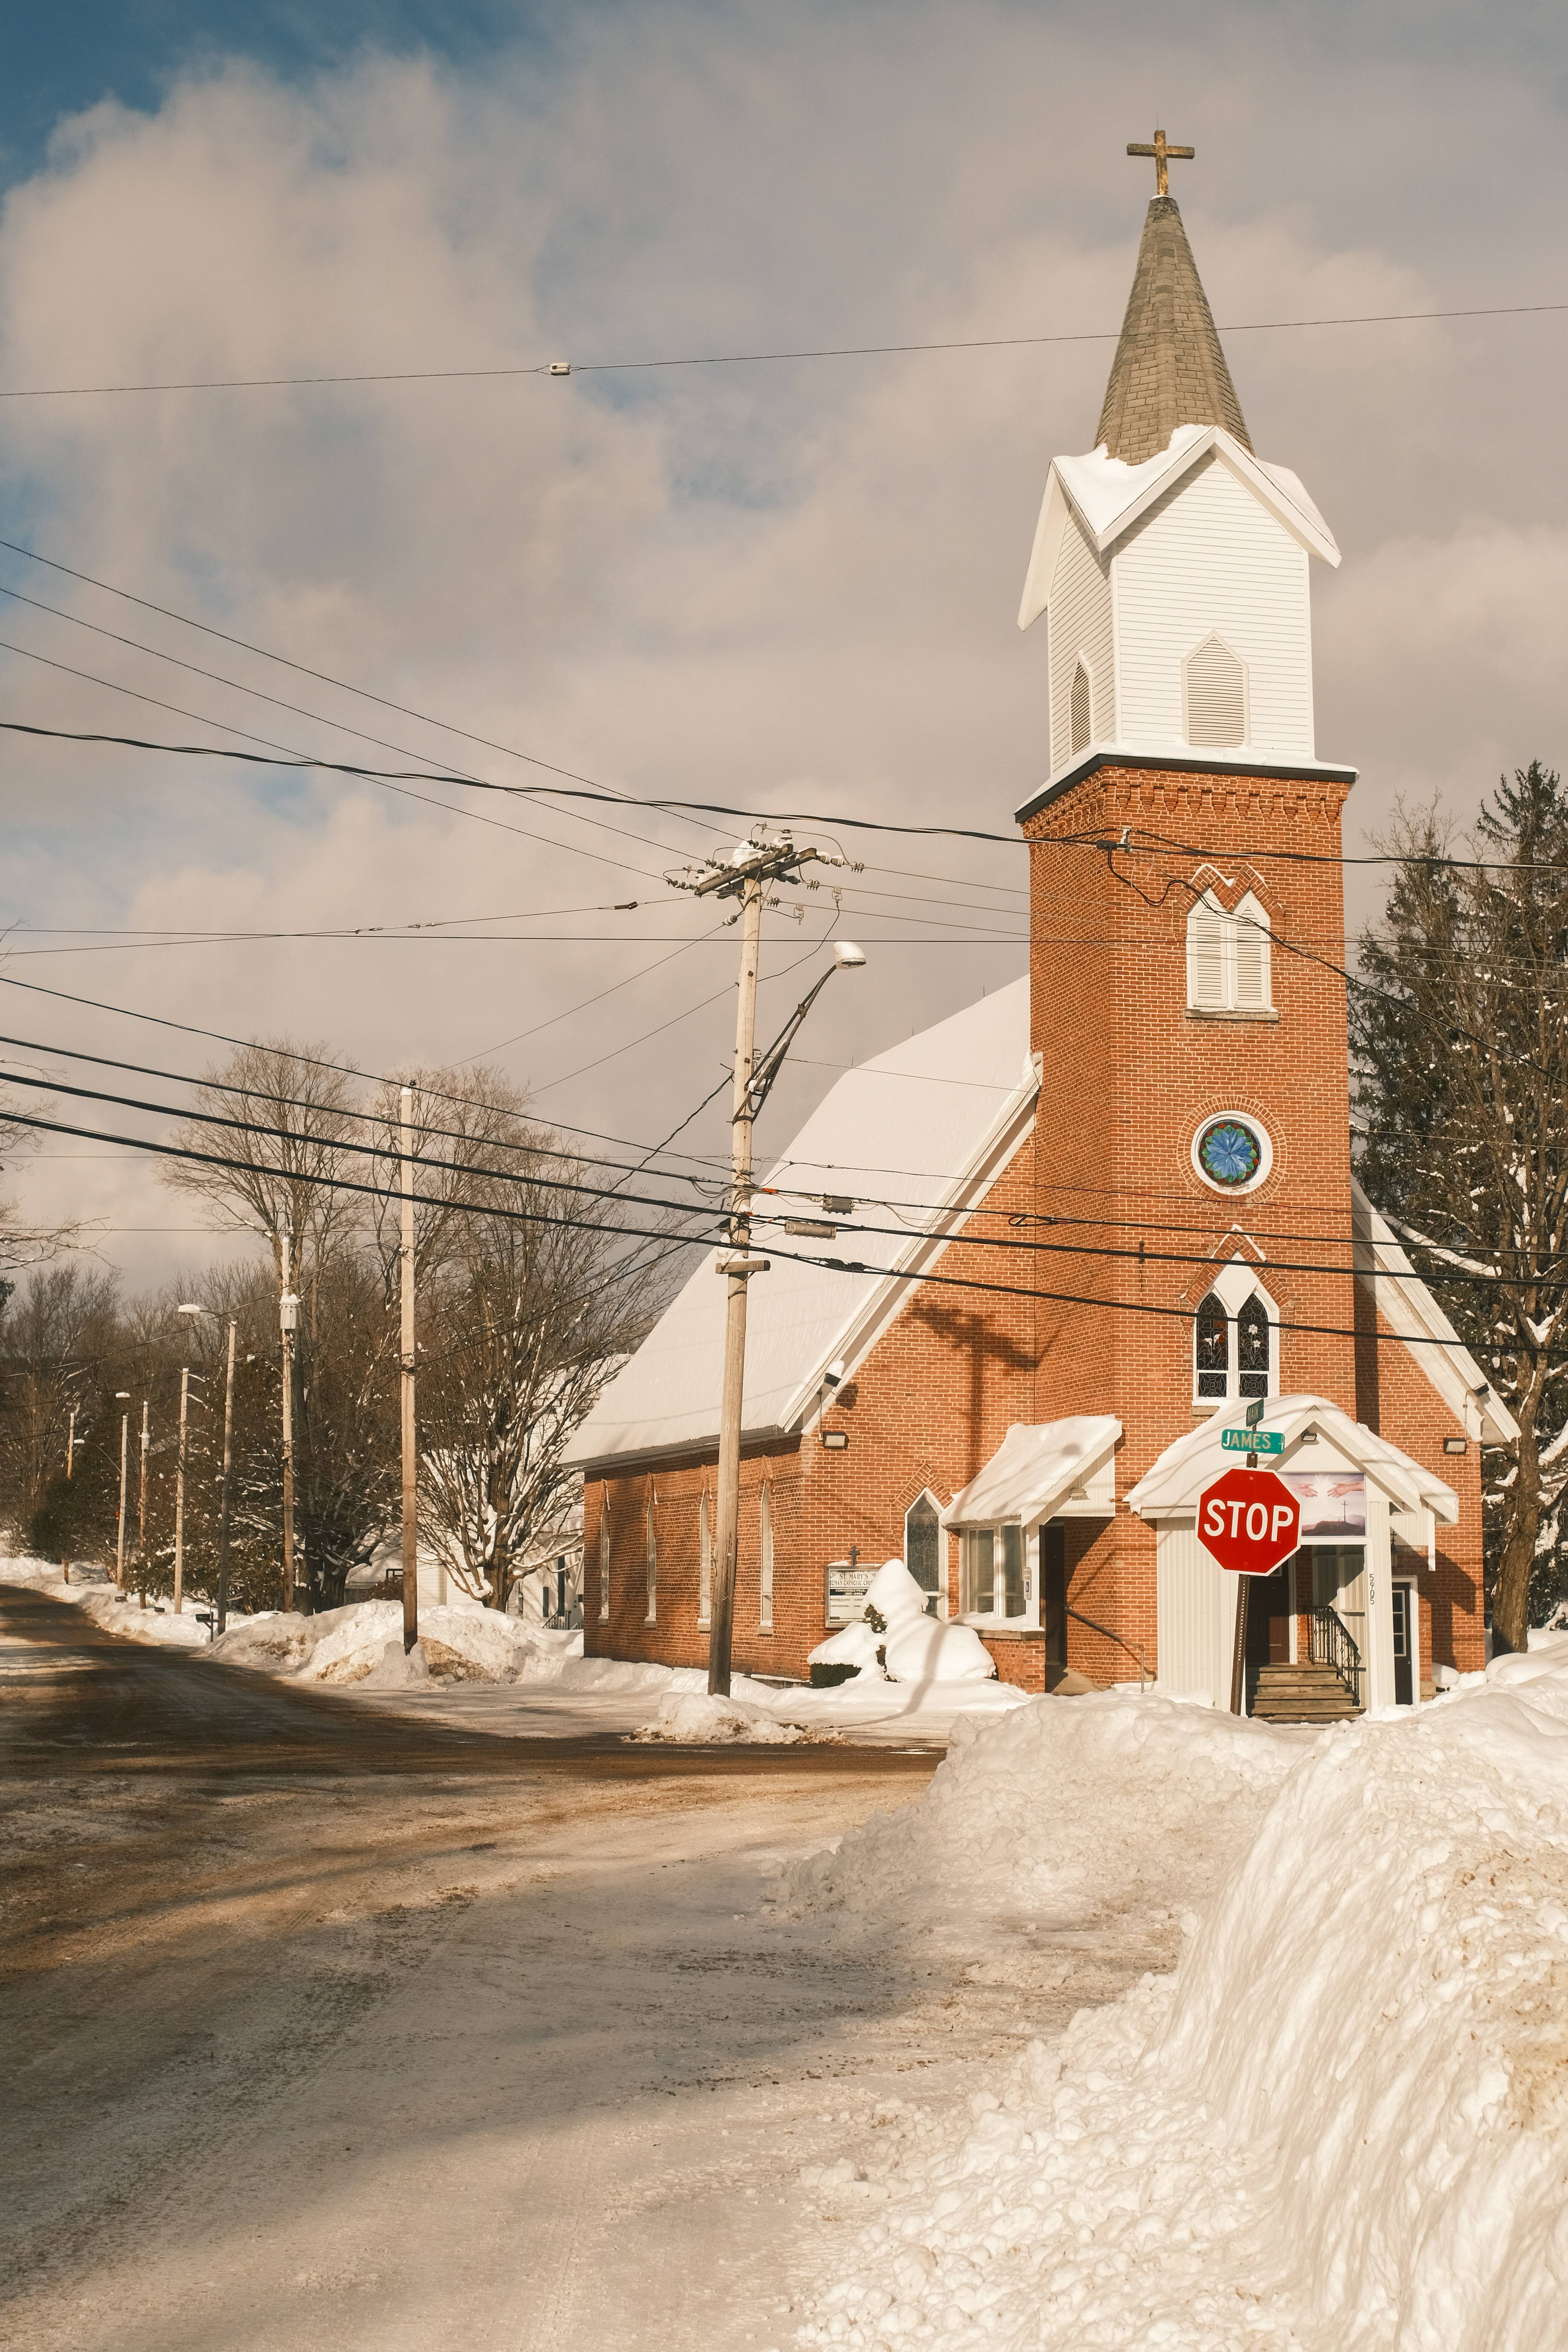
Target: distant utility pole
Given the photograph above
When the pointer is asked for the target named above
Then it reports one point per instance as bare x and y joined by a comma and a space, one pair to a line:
410, 1447
755, 866
288, 1323
223, 1502
180, 1493
121, 1396
141, 1516
70, 1442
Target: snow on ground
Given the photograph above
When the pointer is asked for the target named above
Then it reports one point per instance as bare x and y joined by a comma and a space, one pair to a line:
1342, 2123
696, 1716
897, 1638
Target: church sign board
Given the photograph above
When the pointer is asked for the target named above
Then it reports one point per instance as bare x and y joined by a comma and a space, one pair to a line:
848, 1584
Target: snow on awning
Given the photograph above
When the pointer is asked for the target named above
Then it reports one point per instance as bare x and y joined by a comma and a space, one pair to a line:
1174, 1482
1052, 1469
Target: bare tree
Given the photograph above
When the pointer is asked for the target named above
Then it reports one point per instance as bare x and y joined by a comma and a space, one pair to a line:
524, 1316
56, 1333
294, 1115
1462, 1043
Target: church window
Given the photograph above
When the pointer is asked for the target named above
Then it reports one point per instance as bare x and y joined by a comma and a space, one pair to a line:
1235, 1340
1215, 694
704, 1562
1232, 1152
1212, 1348
1083, 723
765, 1560
923, 1549
994, 1572
652, 1564
605, 1558
1252, 1349
1227, 956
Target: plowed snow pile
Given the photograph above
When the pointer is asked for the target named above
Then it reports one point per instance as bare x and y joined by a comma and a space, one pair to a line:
350, 1645
697, 1717
1063, 1809
1342, 2124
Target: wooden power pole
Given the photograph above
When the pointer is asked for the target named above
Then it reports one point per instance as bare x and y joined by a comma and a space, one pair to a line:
754, 868
288, 1323
180, 1493
120, 1524
141, 1516
410, 1438
223, 1495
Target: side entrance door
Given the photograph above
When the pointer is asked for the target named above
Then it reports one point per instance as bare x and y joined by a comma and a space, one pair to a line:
1405, 1639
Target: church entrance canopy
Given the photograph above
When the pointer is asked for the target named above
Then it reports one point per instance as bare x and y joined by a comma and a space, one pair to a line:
1053, 1469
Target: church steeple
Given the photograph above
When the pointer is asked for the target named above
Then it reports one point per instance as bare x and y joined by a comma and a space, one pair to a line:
1169, 368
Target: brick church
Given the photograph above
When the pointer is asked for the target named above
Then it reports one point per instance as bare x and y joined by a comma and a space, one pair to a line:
1084, 1224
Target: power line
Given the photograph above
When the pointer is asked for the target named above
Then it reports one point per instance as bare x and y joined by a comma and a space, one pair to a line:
826, 1264
750, 359
1105, 837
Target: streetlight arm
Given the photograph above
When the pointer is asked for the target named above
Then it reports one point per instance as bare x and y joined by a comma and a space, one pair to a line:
773, 1061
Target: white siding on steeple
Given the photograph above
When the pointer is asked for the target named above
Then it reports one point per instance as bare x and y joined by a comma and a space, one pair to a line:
1081, 631
1210, 559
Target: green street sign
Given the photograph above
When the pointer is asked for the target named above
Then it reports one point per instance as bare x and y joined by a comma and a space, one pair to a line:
1252, 1441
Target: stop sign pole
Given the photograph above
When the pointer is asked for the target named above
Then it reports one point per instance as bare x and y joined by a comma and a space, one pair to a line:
1249, 1521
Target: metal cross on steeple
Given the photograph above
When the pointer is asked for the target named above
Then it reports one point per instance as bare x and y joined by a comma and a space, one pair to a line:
1161, 154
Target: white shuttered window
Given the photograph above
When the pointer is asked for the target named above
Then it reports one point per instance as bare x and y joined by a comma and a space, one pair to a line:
605, 1557
765, 1560
1215, 696
1228, 965
652, 1565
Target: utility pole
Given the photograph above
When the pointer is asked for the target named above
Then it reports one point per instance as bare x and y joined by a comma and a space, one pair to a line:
755, 866
121, 1396
180, 1493
70, 1442
141, 1516
223, 1503
288, 1322
410, 1450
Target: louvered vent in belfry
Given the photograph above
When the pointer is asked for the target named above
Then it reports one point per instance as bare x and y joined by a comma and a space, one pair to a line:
1082, 733
1216, 696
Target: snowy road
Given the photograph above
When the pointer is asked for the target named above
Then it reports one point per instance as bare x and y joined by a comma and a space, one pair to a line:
325, 2027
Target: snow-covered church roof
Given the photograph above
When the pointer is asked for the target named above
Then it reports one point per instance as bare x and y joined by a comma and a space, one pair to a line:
929, 1125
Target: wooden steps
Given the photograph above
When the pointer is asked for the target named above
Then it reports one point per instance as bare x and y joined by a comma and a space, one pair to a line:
1303, 1694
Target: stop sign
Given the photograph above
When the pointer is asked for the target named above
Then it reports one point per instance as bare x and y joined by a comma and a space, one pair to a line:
1248, 1520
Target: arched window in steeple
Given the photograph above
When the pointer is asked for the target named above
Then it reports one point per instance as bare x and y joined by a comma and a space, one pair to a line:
1215, 683
1236, 1339
1211, 1349
1252, 1349
1082, 720
1228, 963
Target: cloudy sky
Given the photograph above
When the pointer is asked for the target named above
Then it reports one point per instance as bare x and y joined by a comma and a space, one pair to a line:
781, 585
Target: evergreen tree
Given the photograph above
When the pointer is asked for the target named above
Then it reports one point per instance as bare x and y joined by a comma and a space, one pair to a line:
1461, 1067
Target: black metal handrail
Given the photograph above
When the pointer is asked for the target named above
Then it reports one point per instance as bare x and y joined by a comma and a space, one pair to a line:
1082, 1619
1333, 1644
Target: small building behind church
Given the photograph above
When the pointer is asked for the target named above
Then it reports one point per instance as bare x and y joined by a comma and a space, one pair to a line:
1083, 1224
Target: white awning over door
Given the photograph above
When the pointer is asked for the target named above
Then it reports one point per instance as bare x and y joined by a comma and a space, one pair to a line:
1044, 1470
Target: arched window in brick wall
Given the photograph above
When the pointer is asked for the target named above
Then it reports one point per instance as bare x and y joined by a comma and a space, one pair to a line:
1227, 956
704, 1562
1236, 1340
924, 1547
766, 1560
652, 1562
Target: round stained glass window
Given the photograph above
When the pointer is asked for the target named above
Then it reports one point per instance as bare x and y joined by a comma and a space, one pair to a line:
1230, 1153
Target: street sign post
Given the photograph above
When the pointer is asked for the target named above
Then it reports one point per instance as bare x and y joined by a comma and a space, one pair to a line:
1249, 1521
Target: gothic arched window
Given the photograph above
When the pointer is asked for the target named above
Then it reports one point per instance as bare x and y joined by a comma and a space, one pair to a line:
923, 1547
1252, 1349
1227, 956
1211, 1349
1215, 682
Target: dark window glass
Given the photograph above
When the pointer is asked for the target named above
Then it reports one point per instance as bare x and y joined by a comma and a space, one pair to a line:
1211, 1349
1252, 1348
1013, 1571
922, 1550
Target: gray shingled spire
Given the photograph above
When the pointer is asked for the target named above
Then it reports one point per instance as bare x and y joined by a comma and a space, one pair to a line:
1168, 369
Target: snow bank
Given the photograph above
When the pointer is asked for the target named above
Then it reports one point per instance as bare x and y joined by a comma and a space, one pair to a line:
697, 1717
1344, 2123
915, 1648
460, 1642
1062, 1806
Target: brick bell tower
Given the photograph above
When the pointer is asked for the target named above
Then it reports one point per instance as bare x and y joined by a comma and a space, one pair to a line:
1193, 1141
